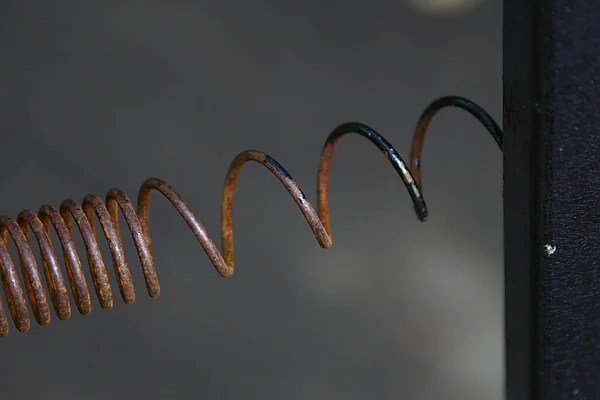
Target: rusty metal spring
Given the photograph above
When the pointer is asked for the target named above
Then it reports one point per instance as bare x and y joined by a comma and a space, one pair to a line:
137, 221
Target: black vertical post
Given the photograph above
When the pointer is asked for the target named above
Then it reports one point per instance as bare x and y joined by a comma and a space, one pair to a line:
552, 198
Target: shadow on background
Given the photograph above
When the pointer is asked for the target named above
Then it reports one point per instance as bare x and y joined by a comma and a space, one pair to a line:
101, 96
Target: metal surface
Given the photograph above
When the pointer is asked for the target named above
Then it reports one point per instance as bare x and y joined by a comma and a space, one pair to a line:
551, 70
138, 224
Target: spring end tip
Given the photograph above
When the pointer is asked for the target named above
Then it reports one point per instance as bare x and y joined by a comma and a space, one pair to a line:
422, 212
227, 273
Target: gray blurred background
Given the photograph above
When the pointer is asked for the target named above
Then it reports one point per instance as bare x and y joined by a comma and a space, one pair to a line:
98, 95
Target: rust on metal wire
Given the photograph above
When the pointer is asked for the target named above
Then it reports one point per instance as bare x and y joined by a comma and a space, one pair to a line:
384, 146
107, 213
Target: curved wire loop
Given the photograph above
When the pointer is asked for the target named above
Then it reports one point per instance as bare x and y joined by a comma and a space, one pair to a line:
448, 101
386, 148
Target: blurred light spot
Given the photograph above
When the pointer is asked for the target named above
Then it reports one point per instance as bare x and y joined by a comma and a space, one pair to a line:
438, 7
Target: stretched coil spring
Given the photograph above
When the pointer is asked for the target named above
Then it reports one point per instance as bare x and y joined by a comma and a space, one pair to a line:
137, 222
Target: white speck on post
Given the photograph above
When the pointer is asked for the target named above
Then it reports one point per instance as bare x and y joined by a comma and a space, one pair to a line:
549, 249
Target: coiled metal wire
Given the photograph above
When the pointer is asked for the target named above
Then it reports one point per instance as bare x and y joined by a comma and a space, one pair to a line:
107, 213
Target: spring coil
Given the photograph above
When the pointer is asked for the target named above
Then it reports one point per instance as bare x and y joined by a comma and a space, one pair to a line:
137, 221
